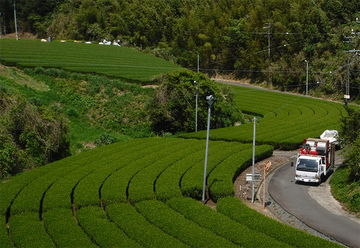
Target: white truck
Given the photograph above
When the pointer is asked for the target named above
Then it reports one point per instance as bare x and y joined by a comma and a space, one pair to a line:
315, 159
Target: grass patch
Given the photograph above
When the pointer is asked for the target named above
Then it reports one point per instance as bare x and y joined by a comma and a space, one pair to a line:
346, 191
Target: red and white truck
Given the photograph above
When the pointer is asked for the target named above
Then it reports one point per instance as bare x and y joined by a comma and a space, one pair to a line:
315, 159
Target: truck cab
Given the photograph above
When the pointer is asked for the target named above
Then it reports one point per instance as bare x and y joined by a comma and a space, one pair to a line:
310, 169
315, 159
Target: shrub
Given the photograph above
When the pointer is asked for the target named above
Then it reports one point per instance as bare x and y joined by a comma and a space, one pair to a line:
142, 184
177, 225
4, 236
30, 135
221, 180
138, 228
221, 224
26, 229
95, 223
64, 230
192, 180
238, 211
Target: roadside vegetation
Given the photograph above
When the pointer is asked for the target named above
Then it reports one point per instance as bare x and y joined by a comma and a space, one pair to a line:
345, 183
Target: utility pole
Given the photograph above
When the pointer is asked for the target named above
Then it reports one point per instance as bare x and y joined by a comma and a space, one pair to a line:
196, 111
269, 41
253, 165
350, 41
307, 77
269, 45
16, 30
198, 62
0, 25
210, 99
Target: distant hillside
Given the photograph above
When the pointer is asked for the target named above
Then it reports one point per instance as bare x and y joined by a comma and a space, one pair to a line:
264, 41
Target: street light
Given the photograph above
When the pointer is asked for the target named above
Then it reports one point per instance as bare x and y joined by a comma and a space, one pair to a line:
196, 111
210, 99
307, 76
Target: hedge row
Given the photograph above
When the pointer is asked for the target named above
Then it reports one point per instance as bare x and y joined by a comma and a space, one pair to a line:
221, 224
238, 211
115, 188
142, 184
221, 180
30, 198
4, 236
180, 227
168, 183
287, 119
138, 228
192, 180
26, 230
87, 190
104, 233
113, 61
64, 230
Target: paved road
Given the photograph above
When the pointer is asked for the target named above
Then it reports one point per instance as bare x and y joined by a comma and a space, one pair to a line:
306, 202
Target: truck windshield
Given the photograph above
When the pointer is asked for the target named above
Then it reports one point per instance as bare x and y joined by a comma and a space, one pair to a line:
307, 165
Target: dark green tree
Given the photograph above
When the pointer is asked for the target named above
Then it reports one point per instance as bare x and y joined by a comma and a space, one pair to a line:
174, 104
349, 135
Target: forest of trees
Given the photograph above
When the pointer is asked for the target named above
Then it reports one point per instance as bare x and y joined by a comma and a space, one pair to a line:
266, 41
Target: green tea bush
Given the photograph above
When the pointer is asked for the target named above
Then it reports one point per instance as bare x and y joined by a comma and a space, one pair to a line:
64, 230
115, 188
88, 188
168, 183
192, 180
119, 62
138, 228
104, 233
4, 236
142, 185
175, 224
26, 229
286, 119
238, 211
60, 193
221, 180
31, 197
222, 225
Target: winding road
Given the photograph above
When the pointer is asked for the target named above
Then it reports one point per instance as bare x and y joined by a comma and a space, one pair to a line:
314, 206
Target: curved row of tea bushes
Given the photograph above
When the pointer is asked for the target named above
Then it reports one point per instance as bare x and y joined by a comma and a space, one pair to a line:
86, 192
138, 228
30, 198
168, 184
102, 231
221, 224
192, 181
175, 224
27, 230
115, 188
221, 180
63, 229
287, 119
238, 211
83, 221
142, 185
4, 236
